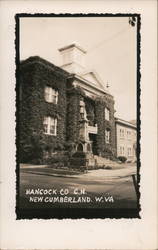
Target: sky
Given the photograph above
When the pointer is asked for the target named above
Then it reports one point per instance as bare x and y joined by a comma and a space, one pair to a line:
110, 43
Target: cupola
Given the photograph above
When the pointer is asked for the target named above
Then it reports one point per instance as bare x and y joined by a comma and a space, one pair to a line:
73, 58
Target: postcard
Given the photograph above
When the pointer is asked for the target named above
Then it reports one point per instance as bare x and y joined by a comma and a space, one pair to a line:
78, 127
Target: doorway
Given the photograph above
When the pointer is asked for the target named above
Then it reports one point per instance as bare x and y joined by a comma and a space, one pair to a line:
80, 147
93, 139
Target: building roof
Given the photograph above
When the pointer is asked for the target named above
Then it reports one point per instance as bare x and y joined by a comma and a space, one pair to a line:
82, 79
125, 123
89, 86
72, 46
37, 59
93, 77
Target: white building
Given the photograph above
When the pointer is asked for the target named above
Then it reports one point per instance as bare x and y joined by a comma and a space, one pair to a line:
126, 139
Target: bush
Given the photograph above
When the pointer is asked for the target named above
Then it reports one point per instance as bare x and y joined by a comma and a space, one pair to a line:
83, 169
108, 167
129, 161
36, 161
122, 158
57, 165
79, 155
58, 160
77, 161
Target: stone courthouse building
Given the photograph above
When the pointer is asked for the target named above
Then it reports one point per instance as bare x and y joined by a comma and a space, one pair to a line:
64, 108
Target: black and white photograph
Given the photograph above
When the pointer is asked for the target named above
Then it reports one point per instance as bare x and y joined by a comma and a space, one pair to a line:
78, 109
77, 116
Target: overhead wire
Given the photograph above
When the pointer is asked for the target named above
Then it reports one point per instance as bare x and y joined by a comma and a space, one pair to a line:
109, 39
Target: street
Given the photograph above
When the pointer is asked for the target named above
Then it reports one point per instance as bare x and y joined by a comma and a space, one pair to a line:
96, 189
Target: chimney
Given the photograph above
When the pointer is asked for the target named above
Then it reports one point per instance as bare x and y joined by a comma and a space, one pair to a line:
73, 58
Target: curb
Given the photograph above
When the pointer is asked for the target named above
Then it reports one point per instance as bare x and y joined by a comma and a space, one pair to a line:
49, 174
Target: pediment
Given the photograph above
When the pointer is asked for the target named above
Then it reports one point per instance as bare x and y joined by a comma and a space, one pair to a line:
93, 78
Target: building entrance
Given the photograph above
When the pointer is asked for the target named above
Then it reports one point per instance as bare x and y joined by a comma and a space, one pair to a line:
80, 148
92, 138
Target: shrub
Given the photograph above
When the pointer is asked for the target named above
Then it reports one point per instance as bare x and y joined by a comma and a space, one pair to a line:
129, 161
122, 158
83, 169
58, 159
77, 161
36, 161
79, 155
108, 167
57, 165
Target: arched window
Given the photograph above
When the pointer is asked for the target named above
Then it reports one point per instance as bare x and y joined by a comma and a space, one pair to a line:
80, 147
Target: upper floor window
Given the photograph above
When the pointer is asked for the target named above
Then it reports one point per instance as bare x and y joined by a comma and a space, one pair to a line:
107, 114
128, 134
122, 133
51, 95
50, 125
107, 136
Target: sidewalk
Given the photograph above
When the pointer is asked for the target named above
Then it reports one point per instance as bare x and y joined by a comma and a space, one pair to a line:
102, 174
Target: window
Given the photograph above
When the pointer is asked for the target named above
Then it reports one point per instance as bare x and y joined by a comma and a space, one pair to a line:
50, 125
122, 152
107, 136
121, 133
129, 135
129, 151
51, 95
107, 114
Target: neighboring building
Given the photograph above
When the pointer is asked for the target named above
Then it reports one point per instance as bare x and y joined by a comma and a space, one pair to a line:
126, 134
64, 107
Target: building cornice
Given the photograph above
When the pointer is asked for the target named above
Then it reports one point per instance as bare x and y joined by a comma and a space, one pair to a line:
73, 45
89, 85
125, 123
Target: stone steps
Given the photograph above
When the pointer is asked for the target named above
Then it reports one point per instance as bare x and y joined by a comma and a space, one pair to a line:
95, 160
104, 161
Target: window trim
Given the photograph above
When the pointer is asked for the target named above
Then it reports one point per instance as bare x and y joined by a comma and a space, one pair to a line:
50, 94
122, 150
122, 133
107, 136
128, 134
47, 121
107, 114
129, 153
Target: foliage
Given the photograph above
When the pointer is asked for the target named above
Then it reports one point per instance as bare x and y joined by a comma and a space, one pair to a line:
73, 116
32, 149
79, 155
105, 149
35, 74
77, 162
122, 158
90, 110
33, 107
62, 160
108, 167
